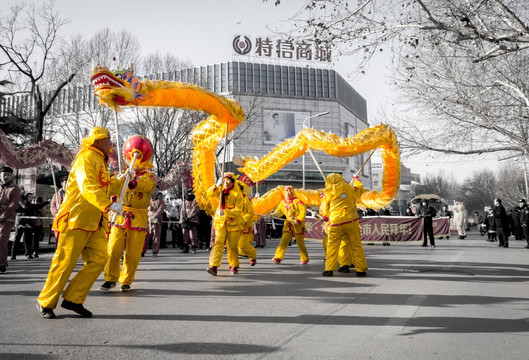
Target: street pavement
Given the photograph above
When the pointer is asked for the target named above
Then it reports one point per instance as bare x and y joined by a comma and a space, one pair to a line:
464, 299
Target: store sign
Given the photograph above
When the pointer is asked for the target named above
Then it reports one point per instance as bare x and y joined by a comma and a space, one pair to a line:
265, 47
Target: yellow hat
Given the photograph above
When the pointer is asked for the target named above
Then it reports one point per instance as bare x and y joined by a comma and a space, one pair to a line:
96, 133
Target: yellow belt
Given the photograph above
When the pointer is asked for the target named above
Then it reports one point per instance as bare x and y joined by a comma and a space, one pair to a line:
135, 210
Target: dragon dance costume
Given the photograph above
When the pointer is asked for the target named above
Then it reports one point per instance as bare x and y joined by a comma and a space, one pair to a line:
246, 239
343, 228
83, 225
129, 231
228, 223
295, 211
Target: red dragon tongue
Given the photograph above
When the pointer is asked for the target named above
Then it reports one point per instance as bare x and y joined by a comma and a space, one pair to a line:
104, 81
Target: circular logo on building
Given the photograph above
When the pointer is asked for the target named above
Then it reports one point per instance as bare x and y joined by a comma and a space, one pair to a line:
343, 196
242, 46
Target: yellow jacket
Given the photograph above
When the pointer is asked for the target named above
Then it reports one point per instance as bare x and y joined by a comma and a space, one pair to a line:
293, 209
136, 201
233, 209
339, 199
248, 213
88, 192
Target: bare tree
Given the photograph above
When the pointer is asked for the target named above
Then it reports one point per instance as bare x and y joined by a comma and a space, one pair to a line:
479, 190
105, 47
29, 42
486, 28
456, 107
439, 184
511, 187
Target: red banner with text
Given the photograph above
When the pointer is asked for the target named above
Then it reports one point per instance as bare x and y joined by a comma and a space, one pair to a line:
386, 228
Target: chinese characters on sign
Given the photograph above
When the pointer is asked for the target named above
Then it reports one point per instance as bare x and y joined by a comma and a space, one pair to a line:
281, 49
397, 228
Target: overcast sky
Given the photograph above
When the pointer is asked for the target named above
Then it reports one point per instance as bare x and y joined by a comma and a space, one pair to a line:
202, 31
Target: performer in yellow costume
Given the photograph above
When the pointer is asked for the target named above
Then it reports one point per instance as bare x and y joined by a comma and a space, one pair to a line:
228, 223
338, 207
246, 239
83, 225
295, 211
128, 233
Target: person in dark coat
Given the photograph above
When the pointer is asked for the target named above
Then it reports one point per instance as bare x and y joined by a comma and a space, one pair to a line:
427, 213
524, 220
502, 223
516, 229
490, 224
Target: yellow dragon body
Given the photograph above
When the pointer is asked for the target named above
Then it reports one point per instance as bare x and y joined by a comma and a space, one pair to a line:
118, 89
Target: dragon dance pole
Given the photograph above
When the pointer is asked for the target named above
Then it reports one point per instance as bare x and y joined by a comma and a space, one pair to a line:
223, 163
316, 163
128, 179
117, 137
361, 167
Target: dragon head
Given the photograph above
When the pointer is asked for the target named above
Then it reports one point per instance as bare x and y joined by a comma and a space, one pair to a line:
119, 87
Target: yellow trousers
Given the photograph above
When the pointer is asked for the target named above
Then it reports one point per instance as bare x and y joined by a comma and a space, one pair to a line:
232, 243
245, 245
283, 244
345, 240
132, 242
92, 247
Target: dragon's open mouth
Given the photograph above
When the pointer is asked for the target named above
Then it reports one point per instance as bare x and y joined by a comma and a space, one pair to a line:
104, 80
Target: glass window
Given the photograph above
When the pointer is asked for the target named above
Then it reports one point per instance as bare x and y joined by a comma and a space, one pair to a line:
242, 77
284, 80
264, 81
223, 82
233, 77
312, 82
277, 75
318, 83
332, 85
292, 80
325, 83
256, 78
249, 77
305, 80
299, 86
271, 75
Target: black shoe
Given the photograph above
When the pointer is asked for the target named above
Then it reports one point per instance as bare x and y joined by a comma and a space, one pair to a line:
184, 252
424, 245
107, 285
36, 256
29, 257
13, 257
125, 288
3, 269
527, 247
344, 269
45, 312
78, 308
327, 273
361, 273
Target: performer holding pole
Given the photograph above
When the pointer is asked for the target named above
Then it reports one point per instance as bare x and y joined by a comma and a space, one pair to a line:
228, 221
129, 229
